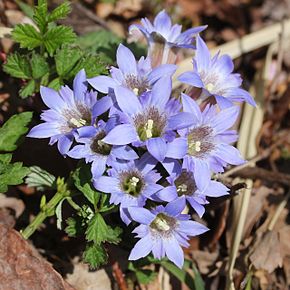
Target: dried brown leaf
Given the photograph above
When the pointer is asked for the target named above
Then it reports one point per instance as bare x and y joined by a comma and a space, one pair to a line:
256, 206
21, 267
205, 260
267, 254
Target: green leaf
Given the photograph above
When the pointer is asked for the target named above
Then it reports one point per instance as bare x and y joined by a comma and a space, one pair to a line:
145, 276
42, 202
66, 58
40, 15
26, 9
55, 84
198, 282
82, 180
28, 89
58, 213
74, 226
5, 158
17, 66
40, 178
92, 64
99, 232
11, 174
27, 36
195, 283
60, 12
95, 255
57, 36
39, 66
13, 130
101, 41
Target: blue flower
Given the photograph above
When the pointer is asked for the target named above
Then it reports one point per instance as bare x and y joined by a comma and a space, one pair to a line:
69, 110
215, 77
130, 183
136, 76
163, 231
164, 38
96, 151
149, 121
205, 145
183, 185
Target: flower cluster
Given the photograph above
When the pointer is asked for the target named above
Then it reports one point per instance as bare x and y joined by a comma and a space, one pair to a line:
152, 152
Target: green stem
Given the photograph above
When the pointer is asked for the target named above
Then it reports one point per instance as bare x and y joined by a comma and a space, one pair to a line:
73, 204
46, 211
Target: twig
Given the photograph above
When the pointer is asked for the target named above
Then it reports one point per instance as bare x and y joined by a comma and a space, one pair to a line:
255, 159
269, 176
245, 165
278, 211
119, 276
91, 15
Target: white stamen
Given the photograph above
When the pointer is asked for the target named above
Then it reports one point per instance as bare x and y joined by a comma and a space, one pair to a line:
209, 87
134, 181
101, 143
162, 224
197, 146
182, 188
136, 91
148, 128
78, 123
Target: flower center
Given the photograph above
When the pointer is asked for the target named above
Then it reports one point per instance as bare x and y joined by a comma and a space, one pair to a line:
100, 147
75, 118
185, 184
182, 188
132, 183
150, 124
163, 225
137, 85
78, 123
209, 87
200, 141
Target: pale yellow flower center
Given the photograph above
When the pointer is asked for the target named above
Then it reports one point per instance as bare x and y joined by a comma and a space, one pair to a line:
78, 123
149, 128
209, 87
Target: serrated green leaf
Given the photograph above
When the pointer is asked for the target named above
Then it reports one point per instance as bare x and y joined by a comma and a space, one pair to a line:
5, 158
17, 66
28, 89
39, 66
13, 130
82, 180
27, 36
99, 232
60, 12
66, 58
55, 84
40, 178
57, 36
92, 65
75, 226
40, 15
95, 256
11, 174
101, 41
